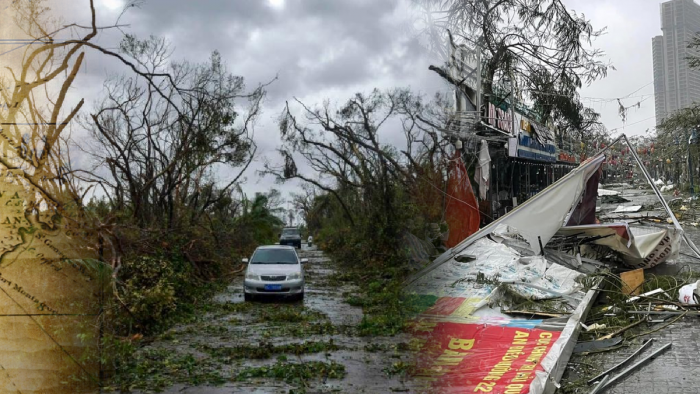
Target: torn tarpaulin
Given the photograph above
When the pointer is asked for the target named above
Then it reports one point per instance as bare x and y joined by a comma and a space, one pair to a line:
638, 246
584, 213
540, 217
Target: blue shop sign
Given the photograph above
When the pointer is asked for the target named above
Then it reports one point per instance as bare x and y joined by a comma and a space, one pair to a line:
530, 148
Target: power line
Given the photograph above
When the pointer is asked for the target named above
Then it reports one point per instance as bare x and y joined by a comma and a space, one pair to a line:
628, 96
601, 99
598, 99
632, 124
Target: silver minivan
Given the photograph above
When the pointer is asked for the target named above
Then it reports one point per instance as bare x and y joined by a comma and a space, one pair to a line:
274, 270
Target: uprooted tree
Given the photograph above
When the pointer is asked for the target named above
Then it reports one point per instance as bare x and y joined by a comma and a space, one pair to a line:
536, 49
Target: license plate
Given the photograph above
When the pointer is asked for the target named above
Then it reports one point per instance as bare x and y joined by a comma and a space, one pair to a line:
273, 287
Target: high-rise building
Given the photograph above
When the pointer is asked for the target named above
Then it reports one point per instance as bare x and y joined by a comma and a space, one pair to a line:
676, 85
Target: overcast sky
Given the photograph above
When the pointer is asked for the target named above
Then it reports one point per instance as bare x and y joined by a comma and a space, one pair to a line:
329, 49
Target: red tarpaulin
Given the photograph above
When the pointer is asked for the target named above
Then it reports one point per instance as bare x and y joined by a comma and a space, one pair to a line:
461, 212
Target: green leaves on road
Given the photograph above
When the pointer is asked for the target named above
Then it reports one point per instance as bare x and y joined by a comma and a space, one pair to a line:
295, 373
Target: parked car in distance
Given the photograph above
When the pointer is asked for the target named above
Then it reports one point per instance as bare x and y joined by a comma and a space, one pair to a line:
274, 270
291, 236
310, 241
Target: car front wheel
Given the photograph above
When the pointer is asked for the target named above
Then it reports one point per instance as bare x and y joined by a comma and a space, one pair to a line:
247, 297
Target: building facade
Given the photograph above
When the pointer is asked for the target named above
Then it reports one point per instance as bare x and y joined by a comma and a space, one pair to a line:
525, 154
676, 85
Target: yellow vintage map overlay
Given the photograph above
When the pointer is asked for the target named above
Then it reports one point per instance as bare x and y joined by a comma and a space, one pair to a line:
51, 279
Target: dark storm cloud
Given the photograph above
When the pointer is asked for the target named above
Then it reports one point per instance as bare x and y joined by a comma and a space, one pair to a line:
309, 45
362, 20
318, 49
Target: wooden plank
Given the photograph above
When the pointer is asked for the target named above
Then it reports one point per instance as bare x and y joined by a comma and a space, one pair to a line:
632, 281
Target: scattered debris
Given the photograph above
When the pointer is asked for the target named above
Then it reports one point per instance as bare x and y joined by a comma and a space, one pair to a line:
594, 327
648, 294
624, 362
598, 345
667, 188
689, 293
613, 199
664, 313
604, 192
623, 329
633, 367
627, 209
612, 309
548, 260
632, 281
599, 388
667, 307
464, 258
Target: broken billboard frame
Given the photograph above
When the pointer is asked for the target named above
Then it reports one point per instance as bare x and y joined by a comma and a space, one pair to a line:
469, 335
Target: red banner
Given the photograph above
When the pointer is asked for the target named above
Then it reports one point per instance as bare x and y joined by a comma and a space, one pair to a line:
461, 212
478, 358
585, 210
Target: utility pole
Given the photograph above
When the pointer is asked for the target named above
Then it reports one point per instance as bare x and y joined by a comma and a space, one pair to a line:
692, 140
478, 79
512, 104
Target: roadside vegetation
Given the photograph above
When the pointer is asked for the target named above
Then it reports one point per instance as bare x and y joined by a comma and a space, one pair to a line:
173, 230
167, 230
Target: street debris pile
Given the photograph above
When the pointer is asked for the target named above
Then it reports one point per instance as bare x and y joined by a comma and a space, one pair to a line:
519, 294
630, 308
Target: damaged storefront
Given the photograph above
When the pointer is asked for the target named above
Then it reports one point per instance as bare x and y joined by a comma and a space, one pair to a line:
521, 157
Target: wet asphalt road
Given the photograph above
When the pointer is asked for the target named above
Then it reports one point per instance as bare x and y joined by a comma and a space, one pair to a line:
369, 362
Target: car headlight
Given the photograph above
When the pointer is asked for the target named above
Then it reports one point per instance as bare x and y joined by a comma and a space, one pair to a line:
252, 276
295, 275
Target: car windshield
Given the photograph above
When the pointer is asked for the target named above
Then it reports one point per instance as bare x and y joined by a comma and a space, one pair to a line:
290, 231
274, 256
